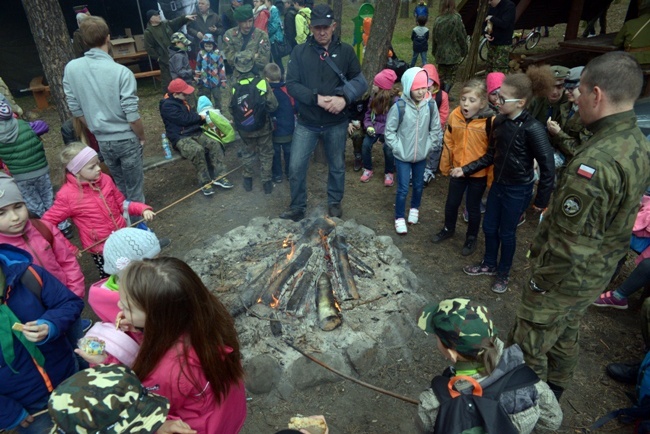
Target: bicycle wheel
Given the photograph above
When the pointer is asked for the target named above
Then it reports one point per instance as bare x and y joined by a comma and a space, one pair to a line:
483, 50
533, 39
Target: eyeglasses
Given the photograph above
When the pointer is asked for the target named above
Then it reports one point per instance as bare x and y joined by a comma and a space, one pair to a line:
502, 100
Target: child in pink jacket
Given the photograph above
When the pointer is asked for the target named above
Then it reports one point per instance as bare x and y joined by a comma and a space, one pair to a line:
442, 102
93, 202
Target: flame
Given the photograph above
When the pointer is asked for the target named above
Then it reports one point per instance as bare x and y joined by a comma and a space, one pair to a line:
275, 302
288, 242
293, 250
259, 300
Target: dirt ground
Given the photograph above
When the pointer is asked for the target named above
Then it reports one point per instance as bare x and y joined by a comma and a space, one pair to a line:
606, 335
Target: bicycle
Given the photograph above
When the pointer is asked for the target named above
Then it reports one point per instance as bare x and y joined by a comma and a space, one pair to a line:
530, 41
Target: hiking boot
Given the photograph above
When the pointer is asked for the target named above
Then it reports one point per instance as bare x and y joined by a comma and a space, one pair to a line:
428, 176
268, 187
500, 285
623, 372
67, 232
358, 162
522, 219
207, 190
223, 183
480, 270
557, 390
367, 174
469, 247
248, 184
164, 242
293, 214
414, 216
400, 226
442, 235
608, 299
334, 210
389, 180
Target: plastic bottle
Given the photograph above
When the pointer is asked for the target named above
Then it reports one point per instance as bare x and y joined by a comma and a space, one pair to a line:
166, 147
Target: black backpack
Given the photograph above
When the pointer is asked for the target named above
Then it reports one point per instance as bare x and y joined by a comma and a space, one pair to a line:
479, 412
248, 105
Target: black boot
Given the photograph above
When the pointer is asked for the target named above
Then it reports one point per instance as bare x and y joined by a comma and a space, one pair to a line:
557, 390
248, 184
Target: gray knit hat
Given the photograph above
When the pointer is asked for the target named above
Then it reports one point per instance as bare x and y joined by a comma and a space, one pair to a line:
126, 245
9, 193
5, 111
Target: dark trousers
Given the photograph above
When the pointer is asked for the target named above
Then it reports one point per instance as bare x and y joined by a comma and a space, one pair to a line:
475, 188
280, 149
366, 153
636, 280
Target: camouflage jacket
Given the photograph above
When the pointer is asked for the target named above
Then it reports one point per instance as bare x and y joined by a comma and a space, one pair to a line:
449, 39
637, 45
541, 109
258, 44
586, 229
573, 134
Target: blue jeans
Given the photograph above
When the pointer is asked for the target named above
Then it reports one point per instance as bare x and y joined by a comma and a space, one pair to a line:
423, 55
366, 153
404, 171
303, 145
124, 159
39, 197
504, 207
42, 423
280, 149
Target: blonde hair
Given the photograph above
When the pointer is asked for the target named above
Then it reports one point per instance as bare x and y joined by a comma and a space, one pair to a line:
477, 86
70, 151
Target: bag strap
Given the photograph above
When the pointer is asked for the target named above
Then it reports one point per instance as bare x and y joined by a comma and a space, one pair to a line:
639, 31
125, 212
43, 230
326, 57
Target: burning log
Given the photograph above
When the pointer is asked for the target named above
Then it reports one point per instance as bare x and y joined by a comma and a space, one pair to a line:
328, 312
343, 266
271, 294
300, 292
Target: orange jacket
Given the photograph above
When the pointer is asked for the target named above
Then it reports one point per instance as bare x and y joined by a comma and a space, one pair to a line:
465, 141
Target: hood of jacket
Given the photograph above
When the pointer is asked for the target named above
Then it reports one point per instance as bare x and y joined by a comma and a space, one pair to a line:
9, 131
14, 262
432, 72
208, 39
407, 83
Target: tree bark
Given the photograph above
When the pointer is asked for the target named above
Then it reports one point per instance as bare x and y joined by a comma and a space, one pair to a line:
380, 38
404, 9
472, 56
53, 44
337, 8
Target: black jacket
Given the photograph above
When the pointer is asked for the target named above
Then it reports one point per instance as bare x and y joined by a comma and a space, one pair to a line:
290, 26
503, 22
180, 121
308, 76
513, 146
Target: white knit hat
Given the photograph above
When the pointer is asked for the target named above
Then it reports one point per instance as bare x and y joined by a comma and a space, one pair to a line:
126, 245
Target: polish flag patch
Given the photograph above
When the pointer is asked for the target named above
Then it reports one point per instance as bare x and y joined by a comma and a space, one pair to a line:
586, 171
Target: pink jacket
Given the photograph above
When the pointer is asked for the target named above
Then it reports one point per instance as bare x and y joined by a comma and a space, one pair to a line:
443, 110
642, 226
95, 208
103, 301
57, 258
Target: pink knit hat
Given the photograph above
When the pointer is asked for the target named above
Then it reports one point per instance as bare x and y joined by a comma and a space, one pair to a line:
494, 81
385, 79
420, 80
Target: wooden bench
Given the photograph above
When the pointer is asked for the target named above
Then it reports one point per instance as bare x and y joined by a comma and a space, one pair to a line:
40, 91
155, 73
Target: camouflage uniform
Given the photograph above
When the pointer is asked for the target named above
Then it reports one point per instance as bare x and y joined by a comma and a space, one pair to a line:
187, 147
573, 134
258, 44
109, 399
448, 45
626, 39
498, 57
584, 233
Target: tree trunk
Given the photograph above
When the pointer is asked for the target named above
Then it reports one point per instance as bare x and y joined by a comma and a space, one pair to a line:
472, 56
404, 9
337, 8
381, 34
53, 44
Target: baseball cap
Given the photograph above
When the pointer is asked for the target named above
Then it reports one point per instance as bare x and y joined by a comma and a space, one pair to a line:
177, 85
151, 13
322, 15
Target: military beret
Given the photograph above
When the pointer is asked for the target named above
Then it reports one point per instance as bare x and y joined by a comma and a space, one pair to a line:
243, 13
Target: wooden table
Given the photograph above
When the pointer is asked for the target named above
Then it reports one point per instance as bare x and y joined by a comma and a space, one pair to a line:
597, 44
130, 58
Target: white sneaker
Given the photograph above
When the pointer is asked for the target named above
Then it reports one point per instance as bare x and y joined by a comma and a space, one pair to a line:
414, 215
400, 226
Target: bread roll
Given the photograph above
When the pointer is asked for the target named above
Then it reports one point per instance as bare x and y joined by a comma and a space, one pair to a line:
314, 426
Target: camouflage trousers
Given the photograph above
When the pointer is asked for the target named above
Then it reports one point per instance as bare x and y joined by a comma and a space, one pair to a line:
498, 57
257, 145
447, 74
547, 328
357, 137
205, 154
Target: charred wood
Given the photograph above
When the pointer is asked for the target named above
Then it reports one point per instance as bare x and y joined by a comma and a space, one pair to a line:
343, 266
328, 314
272, 292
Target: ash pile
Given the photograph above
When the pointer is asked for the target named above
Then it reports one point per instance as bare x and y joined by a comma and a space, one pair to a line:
334, 289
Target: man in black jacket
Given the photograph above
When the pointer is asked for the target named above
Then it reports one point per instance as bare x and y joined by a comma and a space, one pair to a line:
290, 22
500, 26
323, 90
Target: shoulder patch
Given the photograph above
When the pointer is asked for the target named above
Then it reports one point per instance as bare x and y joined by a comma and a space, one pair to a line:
572, 205
586, 171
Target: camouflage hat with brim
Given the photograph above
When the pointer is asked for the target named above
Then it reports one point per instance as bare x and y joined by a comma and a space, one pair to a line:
180, 37
106, 399
244, 61
559, 72
460, 323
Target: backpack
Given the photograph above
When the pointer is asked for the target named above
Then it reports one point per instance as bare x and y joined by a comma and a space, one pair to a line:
420, 44
308, 18
639, 413
480, 411
248, 105
401, 107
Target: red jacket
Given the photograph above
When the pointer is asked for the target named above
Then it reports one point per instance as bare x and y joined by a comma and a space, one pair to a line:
95, 208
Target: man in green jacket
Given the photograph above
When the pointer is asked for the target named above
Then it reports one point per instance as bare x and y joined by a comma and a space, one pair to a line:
634, 36
157, 39
586, 230
246, 37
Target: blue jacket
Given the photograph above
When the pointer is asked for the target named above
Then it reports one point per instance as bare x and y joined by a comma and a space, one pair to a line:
180, 121
26, 392
284, 117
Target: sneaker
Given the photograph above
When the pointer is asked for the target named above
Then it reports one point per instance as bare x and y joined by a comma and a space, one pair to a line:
469, 247
223, 183
400, 226
248, 184
293, 214
367, 174
268, 187
414, 216
483, 206
500, 285
389, 180
277, 179
67, 232
442, 235
480, 270
608, 300
522, 219
428, 176
465, 216
164, 242
207, 190
358, 163
86, 324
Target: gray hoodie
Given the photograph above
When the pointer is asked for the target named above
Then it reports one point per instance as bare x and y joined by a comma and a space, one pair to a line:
419, 132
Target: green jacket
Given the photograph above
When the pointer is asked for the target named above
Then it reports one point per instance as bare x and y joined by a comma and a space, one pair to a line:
269, 98
449, 39
626, 39
157, 39
573, 134
303, 20
539, 109
586, 229
258, 44
25, 154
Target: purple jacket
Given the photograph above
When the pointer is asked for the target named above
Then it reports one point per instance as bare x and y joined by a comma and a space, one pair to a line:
378, 122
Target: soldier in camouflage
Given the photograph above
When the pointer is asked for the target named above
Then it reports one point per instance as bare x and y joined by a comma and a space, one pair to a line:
586, 229
246, 37
448, 42
500, 24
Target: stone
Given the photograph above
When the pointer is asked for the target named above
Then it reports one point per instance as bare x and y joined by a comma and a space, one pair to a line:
397, 331
306, 374
365, 230
363, 355
263, 372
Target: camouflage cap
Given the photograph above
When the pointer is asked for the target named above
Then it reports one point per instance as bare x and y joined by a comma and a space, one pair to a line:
180, 37
559, 72
107, 399
244, 61
460, 323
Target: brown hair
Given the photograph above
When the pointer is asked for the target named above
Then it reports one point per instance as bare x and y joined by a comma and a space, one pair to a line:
477, 86
94, 31
179, 307
421, 20
488, 356
447, 7
542, 80
397, 90
617, 73
272, 72
381, 101
522, 85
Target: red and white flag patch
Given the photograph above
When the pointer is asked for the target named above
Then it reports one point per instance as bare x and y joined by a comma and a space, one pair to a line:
586, 171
